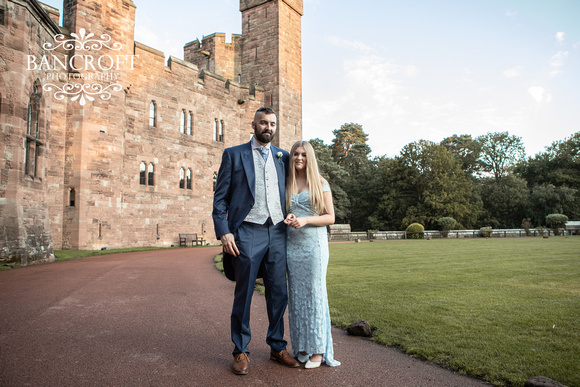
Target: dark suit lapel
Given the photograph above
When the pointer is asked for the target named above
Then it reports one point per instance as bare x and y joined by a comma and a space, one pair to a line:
280, 168
248, 163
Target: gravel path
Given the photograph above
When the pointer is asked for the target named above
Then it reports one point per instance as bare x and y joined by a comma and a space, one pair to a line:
161, 318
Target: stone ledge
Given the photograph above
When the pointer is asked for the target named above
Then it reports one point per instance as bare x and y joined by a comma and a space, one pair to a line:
149, 49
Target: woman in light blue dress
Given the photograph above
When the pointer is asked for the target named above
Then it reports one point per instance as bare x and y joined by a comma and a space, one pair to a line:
310, 210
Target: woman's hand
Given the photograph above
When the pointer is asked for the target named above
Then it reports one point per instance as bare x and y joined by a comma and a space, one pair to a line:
289, 219
292, 221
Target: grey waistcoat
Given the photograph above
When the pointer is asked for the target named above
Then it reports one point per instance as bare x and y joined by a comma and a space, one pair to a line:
267, 203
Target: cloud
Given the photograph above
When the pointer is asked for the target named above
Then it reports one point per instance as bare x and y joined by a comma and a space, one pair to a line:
510, 13
558, 59
513, 72
350, 44
377, 78
410, 70
373, 92
539, 94
560, 36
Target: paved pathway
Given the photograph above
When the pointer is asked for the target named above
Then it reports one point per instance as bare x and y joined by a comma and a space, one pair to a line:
161, 318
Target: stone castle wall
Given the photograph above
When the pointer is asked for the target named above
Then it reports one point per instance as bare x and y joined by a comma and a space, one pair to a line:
88, 193
272, 58
27, 134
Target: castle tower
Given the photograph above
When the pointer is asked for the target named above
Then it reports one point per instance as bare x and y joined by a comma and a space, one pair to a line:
271, 58
95, 131
215, 55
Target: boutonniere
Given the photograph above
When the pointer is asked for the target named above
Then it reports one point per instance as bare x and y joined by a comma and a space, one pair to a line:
279, 155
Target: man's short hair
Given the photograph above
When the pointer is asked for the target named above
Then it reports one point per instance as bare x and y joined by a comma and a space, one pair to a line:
265, 110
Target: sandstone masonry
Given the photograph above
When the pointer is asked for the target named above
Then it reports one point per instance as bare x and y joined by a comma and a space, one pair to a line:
137, 168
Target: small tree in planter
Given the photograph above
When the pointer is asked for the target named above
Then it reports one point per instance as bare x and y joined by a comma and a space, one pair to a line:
415, 231
556, 222
526, 225
446, 223
485, 232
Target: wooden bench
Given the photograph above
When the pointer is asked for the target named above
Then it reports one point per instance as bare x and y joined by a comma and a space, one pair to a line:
184, 239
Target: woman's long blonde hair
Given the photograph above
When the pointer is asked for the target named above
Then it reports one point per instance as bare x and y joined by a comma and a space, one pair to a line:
312, 177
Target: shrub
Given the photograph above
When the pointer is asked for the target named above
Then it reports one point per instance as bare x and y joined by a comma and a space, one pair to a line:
526, 225
446, 223
415, 231
485, 232
556, 222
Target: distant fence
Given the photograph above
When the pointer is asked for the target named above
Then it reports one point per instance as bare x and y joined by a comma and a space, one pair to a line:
346, 235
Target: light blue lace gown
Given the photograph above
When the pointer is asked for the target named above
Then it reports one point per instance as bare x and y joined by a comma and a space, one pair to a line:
308, 315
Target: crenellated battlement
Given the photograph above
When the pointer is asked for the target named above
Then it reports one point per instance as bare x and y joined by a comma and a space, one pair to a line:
214, 54
192, 72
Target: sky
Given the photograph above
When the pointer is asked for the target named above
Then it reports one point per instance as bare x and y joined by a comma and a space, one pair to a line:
415, 69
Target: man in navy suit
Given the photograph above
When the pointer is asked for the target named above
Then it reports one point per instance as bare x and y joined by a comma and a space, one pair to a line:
248, 213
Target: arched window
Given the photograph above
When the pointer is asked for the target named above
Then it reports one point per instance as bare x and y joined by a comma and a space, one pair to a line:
152, 114
189, 120
182, 178
71, 197
188, 178
221, 132
182, 122
33, 142
215, 124
150, 180
214, 181
142, 173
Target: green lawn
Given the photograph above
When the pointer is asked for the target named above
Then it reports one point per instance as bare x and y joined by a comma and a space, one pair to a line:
505, 310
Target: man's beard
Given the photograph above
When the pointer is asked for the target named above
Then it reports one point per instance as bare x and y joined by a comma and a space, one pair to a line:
263, 139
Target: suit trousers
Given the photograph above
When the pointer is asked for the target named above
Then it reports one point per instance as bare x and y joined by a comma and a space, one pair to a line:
260, 245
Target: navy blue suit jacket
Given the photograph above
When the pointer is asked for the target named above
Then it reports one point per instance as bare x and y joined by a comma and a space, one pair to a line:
235, 189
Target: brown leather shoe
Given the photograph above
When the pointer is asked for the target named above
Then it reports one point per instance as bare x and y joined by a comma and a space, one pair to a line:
284, 358
241, 364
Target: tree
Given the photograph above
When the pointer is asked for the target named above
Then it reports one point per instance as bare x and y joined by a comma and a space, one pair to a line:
395, 196
345, 138
548, 199
432, 184
336, 176
556, 222
357, 162
446, 223
559, 166
500, 153
364, 186
351, 152
466, 150
505, 202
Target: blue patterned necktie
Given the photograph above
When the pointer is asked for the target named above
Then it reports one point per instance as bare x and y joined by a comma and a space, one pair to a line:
264, 152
